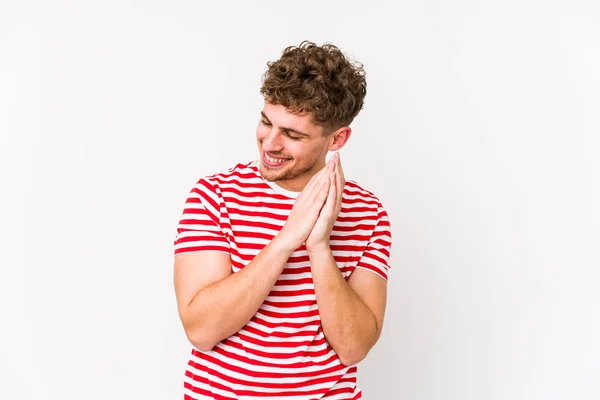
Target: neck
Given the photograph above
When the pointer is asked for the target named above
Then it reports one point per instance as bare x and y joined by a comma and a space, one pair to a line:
298, 183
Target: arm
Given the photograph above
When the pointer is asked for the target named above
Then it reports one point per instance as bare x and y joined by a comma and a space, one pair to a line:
213, 302
352, 312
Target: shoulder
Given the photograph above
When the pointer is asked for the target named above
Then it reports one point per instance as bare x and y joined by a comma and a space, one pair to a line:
239, 169
362, 202
353, 190
239, 175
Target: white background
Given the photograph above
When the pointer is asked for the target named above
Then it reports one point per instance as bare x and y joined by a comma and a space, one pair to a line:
479, 134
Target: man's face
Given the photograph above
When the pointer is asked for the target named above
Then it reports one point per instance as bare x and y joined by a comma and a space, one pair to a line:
292, 148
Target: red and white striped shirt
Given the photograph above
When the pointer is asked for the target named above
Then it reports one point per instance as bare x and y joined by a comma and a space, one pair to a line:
281, 353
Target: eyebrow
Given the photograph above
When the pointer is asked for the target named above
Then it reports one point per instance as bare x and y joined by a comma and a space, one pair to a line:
287, 129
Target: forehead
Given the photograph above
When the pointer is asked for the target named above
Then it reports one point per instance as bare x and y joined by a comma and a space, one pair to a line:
278, 115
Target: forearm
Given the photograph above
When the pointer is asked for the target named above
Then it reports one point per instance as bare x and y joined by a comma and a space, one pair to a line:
348, 324
222, 308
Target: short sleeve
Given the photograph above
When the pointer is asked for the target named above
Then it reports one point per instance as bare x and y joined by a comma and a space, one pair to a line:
200, 226
377, 254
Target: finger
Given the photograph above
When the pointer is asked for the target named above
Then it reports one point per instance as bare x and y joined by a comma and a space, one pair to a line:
319, 174
313, 184
314, 188
339, 186
339, 167
321, 195
331, 165
315, 176
330, 203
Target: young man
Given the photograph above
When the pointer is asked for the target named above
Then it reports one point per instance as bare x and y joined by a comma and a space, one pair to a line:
280, 264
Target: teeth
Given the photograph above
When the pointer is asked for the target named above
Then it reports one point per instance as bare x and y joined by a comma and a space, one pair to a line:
275, 160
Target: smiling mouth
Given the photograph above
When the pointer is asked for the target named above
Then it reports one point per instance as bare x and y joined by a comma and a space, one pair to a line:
274, 161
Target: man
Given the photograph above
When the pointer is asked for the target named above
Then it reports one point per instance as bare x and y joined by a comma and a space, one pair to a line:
280, 264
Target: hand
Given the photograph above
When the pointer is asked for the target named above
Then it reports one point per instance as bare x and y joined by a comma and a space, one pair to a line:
306, 209
319, 236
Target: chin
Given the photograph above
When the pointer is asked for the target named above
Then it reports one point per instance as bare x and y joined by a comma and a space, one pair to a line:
271, 175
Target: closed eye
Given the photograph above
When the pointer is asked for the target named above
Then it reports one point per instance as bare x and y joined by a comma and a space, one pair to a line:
293, 137
287, 133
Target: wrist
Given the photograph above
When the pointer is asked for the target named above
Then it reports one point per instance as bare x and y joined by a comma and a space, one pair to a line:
318, 248
284, 243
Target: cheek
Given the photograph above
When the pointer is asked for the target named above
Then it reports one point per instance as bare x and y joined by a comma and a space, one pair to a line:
261, 133
300, 151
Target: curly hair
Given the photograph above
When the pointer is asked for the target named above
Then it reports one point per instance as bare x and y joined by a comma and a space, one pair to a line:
319, 80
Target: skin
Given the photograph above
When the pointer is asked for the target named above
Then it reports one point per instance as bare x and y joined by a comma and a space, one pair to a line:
284, 135
214, 303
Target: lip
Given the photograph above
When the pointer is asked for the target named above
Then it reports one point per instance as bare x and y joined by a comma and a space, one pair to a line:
270, 164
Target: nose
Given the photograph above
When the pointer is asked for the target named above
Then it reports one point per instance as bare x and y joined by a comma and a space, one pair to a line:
273, 141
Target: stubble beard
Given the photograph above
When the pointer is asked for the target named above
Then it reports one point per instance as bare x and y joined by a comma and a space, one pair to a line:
288, 174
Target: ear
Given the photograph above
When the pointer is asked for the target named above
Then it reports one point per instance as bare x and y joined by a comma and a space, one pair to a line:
339, 138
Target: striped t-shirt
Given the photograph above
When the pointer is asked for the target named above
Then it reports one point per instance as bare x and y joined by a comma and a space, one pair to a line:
281, 353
